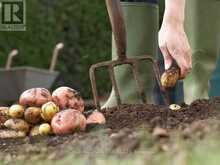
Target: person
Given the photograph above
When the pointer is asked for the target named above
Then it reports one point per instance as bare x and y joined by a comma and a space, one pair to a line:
200, 18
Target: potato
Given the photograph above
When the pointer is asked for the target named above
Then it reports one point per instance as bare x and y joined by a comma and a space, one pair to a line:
96, 118
17, 124
8, 133
66, 98
170, 77
3, 115
82, 122
16, 111
34, 131
67, 121
35, 97
48, 111
45, 129
32, 115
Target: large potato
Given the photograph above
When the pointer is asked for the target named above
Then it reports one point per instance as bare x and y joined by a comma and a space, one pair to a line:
8, 133
66, 98
96, 118
67, 121
16, 111
32, 115
35, 97
17, 124
48, 111
3, 115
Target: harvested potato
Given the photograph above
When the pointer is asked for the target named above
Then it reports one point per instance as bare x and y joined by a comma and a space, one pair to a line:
8, 133
66, 122
3, 115
32, 115
66, 98
45, 129
48, 111
34, 131
82, 122
96, 118
35, 97
16, 111
170, 77
17, 124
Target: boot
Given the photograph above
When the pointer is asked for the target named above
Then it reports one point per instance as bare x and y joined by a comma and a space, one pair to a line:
203, 30
141, 21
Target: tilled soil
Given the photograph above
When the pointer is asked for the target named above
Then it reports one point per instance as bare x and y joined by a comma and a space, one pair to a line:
122, 122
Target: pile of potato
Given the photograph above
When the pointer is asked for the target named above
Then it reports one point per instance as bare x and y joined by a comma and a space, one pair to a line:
41, 113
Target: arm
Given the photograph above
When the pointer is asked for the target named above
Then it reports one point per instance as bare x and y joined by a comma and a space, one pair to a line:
173, 41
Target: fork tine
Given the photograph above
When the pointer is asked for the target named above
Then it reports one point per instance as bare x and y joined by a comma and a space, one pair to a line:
138, 82
114, 84
94, 86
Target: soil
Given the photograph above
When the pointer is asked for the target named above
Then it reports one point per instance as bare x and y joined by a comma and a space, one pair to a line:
121, 123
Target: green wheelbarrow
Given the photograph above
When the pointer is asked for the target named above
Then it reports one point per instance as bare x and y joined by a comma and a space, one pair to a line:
13, 81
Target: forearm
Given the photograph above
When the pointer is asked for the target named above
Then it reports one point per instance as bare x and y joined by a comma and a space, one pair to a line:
174, 11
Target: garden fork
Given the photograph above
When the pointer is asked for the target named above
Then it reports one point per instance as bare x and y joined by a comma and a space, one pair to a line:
119, 32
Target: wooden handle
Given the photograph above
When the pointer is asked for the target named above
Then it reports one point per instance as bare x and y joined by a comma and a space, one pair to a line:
11, 55
118, 26
56, 50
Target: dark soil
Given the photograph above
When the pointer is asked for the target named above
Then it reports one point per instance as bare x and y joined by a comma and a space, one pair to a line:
122, 120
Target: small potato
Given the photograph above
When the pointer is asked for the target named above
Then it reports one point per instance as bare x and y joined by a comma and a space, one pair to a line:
8, 133
82, 122
96, 118
17, 124
32, 115
45, 129
48, 111
66, 98
170, 77
34, 131
16, 111
35, 97
3, 115
66, 122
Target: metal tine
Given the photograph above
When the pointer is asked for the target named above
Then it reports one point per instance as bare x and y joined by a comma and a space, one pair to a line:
139, 82
114, 84
94, 87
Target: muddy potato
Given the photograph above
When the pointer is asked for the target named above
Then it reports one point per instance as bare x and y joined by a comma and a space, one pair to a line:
45, 129
48, 111
66, 98
8, 133
16, 111
32, 115
82, 122
3, 115
96, 118
170, 77
17, 124
66, 122
35, 97
34, 131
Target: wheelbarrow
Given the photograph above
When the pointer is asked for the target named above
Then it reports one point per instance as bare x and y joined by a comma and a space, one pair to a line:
13, 81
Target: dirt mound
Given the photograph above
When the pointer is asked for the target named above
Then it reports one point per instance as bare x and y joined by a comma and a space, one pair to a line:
130, 116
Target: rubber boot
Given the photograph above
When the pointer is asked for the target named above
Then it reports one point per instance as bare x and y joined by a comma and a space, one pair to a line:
215, 81
203, 30
141, 21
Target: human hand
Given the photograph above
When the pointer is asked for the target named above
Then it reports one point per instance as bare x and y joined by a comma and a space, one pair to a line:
174, 45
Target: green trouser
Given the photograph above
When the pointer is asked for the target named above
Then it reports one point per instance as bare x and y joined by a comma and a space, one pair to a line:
203, 30
141, 21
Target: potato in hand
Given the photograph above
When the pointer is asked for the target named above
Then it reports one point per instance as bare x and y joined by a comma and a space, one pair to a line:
170, 77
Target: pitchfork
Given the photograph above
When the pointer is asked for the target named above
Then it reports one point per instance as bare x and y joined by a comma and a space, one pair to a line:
118, 27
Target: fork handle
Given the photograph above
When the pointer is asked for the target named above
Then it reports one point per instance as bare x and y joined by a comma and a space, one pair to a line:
118, 26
